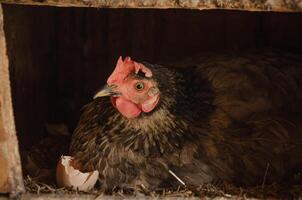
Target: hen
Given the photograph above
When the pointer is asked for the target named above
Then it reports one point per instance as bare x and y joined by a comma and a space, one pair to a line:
234, 117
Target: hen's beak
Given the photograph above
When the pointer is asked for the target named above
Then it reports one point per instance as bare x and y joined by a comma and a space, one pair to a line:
107, 90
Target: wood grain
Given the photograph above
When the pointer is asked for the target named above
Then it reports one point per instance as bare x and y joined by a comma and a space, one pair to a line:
250, 5
10, 166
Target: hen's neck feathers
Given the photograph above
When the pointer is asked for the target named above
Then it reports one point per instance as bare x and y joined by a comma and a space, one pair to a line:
160, 131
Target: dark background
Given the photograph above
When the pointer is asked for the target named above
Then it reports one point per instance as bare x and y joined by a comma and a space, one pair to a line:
60, 56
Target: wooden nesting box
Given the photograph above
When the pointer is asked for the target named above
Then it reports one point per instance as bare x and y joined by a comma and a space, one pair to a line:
53, 59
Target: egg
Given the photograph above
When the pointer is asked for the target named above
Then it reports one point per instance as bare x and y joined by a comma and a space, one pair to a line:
69, 175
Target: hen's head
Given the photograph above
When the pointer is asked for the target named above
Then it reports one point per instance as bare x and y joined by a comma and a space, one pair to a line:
131, 88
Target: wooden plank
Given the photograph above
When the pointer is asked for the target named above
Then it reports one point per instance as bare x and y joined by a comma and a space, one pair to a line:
250, 5
10, 167
3, 157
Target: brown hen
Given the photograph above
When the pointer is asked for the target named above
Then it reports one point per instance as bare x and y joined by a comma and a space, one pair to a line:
231, 117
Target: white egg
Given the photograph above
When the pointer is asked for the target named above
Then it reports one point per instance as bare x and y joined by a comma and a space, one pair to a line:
68, 176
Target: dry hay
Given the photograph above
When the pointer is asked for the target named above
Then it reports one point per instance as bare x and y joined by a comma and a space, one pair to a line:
224, 190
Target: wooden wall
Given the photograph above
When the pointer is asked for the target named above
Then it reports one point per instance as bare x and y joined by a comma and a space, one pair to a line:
247, 5
30, 41
60, 56
10, 167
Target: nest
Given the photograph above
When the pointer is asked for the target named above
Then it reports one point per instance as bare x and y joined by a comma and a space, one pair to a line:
40, 178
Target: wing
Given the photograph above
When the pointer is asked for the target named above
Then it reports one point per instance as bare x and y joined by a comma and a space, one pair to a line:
253, 82
256, 118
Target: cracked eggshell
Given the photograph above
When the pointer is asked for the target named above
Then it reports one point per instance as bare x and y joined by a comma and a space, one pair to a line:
68, 175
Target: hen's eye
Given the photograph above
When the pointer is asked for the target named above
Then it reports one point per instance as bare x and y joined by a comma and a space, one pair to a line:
139, 86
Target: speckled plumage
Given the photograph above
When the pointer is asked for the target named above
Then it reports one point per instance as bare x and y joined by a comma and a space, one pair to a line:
229, 117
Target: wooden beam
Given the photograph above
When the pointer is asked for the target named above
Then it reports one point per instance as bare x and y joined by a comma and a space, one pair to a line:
10, 167
248, 5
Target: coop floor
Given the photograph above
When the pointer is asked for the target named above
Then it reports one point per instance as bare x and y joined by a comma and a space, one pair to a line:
38, 190
266, 193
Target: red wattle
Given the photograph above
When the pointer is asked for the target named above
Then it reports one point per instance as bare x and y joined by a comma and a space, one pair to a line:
125, 107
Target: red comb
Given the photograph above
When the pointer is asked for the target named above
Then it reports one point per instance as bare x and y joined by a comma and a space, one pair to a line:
124, 68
